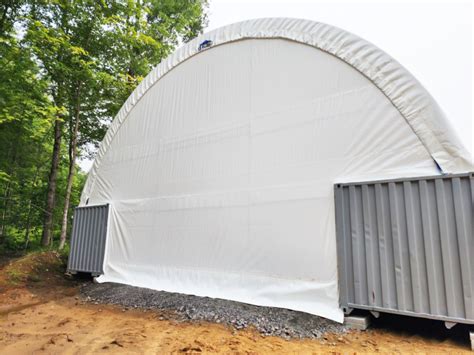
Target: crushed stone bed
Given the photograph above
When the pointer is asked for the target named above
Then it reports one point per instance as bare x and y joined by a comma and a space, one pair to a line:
267, 320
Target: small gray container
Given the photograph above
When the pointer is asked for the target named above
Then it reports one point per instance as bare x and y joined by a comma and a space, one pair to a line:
89, 233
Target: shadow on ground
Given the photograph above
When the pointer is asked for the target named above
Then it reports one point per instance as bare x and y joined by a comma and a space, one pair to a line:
426, 328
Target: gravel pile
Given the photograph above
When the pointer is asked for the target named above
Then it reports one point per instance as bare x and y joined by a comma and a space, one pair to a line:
267, 320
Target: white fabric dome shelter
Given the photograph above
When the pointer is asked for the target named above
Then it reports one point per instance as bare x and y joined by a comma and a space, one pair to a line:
219, 168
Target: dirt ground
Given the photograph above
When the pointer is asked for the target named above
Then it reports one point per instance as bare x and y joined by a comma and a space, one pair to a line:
41, 312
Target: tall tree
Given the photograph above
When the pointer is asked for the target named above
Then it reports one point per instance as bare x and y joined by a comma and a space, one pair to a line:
48, 36
94, 53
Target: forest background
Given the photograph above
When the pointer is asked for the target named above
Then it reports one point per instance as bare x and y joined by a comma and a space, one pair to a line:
66, 68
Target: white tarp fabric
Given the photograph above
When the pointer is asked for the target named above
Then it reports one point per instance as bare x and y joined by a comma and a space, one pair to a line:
220, 166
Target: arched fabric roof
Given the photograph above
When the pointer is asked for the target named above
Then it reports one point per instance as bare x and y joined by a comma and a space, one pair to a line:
405, 92
219, 168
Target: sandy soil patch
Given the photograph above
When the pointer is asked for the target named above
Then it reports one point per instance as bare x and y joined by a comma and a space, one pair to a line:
40, 312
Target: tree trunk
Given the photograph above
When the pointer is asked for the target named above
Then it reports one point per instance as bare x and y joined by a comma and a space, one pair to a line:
6, 198
27, 232
67, 199
8, 189
29, 209
70, 175
52, 180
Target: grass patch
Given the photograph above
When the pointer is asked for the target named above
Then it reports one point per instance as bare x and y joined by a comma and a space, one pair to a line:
15, 276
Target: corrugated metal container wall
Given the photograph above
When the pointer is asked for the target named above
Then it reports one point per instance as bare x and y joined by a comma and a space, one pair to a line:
89, 232
407, 246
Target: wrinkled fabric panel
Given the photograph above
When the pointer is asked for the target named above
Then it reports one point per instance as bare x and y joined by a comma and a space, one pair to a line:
408, 96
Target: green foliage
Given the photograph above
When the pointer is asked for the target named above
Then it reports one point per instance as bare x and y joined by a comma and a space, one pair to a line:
71, 60
25, 121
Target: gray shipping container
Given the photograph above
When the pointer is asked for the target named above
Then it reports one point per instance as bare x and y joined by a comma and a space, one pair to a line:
89, 233
406, 246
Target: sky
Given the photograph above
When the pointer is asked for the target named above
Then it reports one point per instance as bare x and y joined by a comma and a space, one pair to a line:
433, 40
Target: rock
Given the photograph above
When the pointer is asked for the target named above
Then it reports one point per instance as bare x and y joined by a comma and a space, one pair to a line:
185, 308
116, 342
